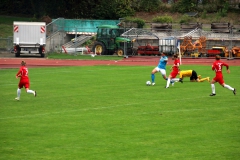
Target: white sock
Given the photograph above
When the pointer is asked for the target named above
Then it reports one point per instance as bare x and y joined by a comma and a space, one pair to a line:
228, 87
175, 80
168, 82
213, 88
30, 91
18, 92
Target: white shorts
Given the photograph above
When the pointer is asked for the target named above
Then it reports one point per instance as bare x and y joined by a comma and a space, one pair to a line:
162, 71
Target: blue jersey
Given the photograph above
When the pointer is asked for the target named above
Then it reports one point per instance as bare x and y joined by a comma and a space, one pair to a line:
163, 62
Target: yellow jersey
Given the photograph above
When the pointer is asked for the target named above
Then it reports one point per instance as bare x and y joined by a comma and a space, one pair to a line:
186, 73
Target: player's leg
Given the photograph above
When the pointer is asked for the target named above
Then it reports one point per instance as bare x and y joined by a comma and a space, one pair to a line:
27, 85
163, 73
20, 85
155, 70
18, 94
173, 80
170, 77
153, 75
168, 81
204, 79
229, 87
213, 87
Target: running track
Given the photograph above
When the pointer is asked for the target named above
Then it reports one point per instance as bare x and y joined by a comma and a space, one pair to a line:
131, 61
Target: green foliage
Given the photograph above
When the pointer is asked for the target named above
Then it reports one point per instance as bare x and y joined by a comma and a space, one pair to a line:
184, 6
149, 5
210, 8
140, 22
204, 14
223, 11
8, 20
162, 19
185, 19
107, 112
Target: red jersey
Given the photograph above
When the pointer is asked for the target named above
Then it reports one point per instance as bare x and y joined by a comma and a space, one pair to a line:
175, 69
23, 73
176, 65
217, 66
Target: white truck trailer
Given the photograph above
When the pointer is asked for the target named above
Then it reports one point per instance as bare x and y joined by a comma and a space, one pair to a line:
29, 38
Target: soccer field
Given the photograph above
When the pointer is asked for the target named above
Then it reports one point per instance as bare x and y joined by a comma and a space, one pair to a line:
108, 112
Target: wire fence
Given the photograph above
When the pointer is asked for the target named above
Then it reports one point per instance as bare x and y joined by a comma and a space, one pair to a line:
58, 34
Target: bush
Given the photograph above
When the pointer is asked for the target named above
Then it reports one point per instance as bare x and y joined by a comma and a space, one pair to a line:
140, 22
162, 19
204, 14
210, 8
149, 5
185, 19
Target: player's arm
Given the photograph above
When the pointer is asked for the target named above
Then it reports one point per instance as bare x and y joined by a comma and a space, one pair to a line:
19, 74
213, 68
227, 67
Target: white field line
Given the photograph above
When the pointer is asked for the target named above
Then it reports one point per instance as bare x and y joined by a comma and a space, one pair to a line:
116, 106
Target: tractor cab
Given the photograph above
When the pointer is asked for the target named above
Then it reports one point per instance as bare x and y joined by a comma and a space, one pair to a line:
109, 41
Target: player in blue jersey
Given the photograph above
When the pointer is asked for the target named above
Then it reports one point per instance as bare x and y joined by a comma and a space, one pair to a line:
160, 68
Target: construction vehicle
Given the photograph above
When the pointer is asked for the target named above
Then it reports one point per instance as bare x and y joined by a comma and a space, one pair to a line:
218, 50
187, 47
109, 41
29, 38
236, 51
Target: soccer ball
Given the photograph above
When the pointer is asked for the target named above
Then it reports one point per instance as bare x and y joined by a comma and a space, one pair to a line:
148, 83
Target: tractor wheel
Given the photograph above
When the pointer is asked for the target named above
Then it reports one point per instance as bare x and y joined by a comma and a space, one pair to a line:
99, 48
120, 52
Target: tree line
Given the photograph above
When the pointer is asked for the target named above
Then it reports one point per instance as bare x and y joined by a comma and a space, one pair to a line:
102, 9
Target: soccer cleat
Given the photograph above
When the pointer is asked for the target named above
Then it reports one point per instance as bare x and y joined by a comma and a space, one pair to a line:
166, 87
17, 98
153, 84
35, 93
234, 91
213, 94
180, 80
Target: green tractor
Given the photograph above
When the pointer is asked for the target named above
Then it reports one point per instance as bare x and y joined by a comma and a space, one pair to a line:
109, 41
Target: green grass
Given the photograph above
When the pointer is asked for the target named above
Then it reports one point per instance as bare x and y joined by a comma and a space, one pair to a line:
6, 25
83, 57
107, 112
9, 19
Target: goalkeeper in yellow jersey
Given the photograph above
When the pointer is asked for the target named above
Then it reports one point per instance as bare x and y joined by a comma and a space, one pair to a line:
193, 76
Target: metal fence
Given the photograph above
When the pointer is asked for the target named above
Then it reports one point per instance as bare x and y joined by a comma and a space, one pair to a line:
59, 34
6, 44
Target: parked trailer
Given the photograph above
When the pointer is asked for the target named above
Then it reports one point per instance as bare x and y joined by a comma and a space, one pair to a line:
29, 38
166, 45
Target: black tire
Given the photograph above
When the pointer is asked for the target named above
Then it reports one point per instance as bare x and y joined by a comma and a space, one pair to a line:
100, 48
40, 51
120, 52
18, 52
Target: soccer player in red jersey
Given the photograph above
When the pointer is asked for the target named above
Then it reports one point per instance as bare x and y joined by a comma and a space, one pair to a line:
24, 81
175, 69
217, 67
